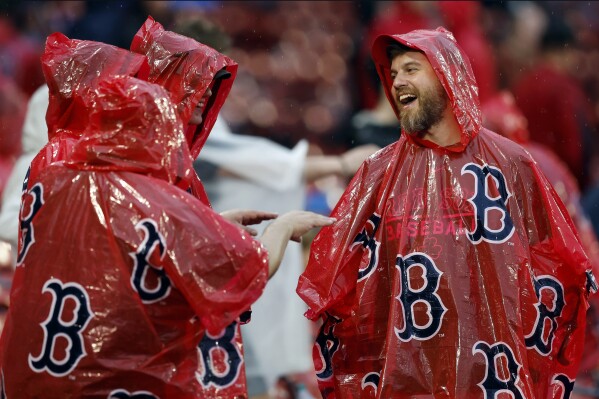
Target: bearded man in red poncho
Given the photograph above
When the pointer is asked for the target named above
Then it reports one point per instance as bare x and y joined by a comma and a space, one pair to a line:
454, 270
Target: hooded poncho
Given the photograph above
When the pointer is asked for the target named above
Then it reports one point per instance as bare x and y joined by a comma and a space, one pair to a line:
186, 69
121, 272
452, 272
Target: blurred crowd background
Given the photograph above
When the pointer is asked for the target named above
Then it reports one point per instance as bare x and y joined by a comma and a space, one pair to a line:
305, 67
306, 73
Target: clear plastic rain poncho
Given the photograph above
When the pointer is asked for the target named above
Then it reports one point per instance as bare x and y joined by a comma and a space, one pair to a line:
453, 272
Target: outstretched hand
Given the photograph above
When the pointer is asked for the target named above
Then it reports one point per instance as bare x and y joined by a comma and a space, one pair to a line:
289, 226
300, 222
245, 217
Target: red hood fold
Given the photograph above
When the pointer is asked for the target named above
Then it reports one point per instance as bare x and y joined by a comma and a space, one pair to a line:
185, 68
71, 68
133, 126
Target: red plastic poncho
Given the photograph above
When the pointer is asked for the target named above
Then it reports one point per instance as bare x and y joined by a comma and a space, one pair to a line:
12, 114
122, 271
452, 272
186, 69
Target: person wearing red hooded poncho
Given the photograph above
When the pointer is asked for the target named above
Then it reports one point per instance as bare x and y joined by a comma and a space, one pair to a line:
121, 272
454, 270
198, 79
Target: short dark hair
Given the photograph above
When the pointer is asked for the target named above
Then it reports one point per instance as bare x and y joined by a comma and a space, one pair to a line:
395, 49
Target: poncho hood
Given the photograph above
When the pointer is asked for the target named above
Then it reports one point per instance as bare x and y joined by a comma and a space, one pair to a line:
452, 68
132, 126
186, 69
71, 68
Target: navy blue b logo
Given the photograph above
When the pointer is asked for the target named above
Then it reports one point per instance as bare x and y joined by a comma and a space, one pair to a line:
326, 344
371, 380
483, 203
427, 294
494, 383
566, 383
142, 266
539, 338
55, 328
224, 342
26, 223
124, 394
367, 240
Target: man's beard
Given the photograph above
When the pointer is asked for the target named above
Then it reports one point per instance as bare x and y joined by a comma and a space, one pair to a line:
432, 104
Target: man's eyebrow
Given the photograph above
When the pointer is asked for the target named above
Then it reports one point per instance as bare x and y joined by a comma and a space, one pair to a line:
410, 63
406, 65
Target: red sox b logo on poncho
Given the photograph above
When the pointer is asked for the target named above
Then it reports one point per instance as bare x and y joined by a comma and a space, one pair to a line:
366, 238
484, 203
55, 328
540, 338
124, 394
427, 294
220, 360
142, 266
36, 194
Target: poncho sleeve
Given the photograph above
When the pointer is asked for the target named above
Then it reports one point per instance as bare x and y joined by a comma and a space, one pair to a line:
328, 285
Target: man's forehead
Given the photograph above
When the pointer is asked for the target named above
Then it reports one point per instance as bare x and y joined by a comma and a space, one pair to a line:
409, 57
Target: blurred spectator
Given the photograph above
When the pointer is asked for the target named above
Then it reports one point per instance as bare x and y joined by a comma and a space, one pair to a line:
378, 125
12, 113
109, 22
558, 112
19, 57
463, 19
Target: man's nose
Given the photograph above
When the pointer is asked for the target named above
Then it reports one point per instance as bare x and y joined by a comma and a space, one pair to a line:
399, 82
208, 92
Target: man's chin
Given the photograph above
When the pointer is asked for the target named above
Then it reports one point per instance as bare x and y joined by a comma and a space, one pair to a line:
420, 133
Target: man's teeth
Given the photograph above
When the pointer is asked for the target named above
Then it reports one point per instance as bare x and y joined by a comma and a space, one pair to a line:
405, 98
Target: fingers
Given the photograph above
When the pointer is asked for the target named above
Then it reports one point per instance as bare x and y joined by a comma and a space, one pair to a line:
305, 221
255, 217
247, 217
252, 232
325, 221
